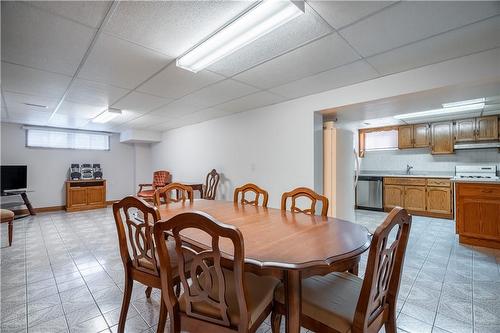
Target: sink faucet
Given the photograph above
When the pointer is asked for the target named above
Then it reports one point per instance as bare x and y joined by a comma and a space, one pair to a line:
408, 169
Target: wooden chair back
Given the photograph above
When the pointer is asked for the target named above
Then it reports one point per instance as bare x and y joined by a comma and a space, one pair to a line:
208, 281
251, 188
165, 193
134, 220
161, 178
383, 273
211, 183
307, 193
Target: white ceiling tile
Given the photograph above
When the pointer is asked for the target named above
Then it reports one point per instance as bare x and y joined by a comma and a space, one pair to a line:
335, 78
409, 21
26, 117
89, 13
326, 53
36, 38
94, 93
18, 102
176, 109
80, 110
172, 27
67, 121
341, 13
30, 81
249, 102
145, 121
218, 93
140, 102
291, 35
470, 39
121, 63
174, 82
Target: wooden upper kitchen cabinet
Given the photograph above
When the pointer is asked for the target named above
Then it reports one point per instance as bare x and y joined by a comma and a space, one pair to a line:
478, 214
442, 138
477, 129
413, 136
487, 128
405, 136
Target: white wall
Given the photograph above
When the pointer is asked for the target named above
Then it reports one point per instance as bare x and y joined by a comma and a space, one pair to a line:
270, 147
275, 146
143, 171
423, 161
48, 168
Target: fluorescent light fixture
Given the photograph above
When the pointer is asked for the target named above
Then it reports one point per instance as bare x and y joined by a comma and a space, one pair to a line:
107, 115
467, 102
440, 112
259, 20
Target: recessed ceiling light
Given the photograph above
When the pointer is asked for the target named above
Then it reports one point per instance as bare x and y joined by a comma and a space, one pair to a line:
36, 105
107, 115
467, 102
440, 112
256, 22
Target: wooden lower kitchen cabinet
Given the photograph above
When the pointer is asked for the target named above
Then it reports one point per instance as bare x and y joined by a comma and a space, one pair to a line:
478, 213
420, 196
85, 194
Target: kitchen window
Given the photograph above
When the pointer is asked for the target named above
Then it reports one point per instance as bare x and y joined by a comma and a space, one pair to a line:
377, 139
66, 139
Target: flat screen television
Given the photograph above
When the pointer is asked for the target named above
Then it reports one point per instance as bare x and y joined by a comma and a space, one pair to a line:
13, 177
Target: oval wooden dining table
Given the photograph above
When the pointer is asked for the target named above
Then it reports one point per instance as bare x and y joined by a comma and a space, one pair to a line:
294, 244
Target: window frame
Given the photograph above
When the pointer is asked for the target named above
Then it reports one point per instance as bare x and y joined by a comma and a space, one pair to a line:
362, 138
64, 130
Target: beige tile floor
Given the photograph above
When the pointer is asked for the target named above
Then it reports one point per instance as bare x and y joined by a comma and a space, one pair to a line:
63, 273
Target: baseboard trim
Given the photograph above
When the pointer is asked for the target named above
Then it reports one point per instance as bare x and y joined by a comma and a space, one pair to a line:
51, 208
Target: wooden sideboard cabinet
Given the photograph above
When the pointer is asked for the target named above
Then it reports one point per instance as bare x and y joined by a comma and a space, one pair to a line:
420, 196
85, 194
478, 213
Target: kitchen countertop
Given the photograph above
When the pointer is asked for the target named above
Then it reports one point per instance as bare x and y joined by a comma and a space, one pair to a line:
481, 181
402, 174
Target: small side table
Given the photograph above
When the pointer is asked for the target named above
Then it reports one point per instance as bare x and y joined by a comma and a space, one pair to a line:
24, 196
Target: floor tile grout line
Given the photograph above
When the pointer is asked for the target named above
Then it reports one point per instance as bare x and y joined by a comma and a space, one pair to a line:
441, 291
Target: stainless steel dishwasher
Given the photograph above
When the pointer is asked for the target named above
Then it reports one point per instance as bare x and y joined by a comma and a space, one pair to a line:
369, 193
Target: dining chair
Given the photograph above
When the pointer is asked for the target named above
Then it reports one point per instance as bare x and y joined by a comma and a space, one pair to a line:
251, 188
182, 192
304, 192
343, 302
7, 216
134, 220
215, 299
211, 183
160, 179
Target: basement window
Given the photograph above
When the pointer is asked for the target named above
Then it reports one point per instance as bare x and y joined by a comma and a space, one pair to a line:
66, 139
383, 140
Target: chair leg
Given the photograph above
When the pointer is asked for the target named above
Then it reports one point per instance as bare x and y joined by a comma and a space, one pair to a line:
390, 324
127, 294
275, 322
162, 320
148, 291
10, 232
354, 269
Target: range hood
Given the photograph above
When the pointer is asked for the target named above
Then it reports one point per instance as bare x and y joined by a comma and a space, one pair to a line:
477, 145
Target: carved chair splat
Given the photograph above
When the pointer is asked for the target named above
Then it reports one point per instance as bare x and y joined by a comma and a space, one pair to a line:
211, 183
182, 193
301, 192
254, 189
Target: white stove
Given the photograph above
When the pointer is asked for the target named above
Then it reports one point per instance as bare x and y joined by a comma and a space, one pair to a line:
476, 172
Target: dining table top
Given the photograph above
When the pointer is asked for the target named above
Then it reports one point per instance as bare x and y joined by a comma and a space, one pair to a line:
274, 238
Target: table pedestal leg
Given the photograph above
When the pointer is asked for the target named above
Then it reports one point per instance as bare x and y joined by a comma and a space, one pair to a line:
28, 203
293, 301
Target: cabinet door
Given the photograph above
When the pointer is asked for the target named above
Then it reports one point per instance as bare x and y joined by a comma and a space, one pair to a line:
439, 200
393, 196
405, 137
414, 198
77, 197
95, 195
421, 135
487, 128
479, 217
465, 130
442, 138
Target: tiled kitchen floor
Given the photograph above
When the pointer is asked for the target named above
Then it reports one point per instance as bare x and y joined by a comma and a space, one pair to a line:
63, 272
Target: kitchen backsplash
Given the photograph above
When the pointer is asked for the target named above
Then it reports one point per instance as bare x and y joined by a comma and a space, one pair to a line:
423, 161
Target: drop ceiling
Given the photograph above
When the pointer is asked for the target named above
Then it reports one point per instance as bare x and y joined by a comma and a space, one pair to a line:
104, 54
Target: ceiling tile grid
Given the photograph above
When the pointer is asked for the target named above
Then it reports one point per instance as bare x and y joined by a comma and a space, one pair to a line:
140, 102
35, 38
470, 39
94, 93
121, 63
174, 82
78, 110
249, 102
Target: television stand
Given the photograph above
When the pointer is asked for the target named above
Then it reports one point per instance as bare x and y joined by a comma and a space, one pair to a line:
24, 196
